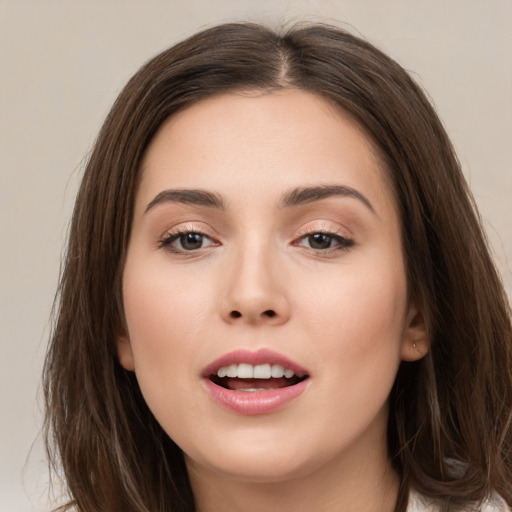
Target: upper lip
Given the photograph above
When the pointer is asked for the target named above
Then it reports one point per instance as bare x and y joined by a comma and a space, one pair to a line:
262, 356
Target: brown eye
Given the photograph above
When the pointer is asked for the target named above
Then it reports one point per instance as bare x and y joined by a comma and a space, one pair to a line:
191, 241
320, 241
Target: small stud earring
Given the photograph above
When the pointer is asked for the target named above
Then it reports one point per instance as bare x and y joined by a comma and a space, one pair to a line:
414, 345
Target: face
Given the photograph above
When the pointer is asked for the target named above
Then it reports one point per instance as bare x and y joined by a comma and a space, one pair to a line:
264, 288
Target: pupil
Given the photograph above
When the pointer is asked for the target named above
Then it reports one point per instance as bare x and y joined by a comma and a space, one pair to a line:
191, 241
319, 241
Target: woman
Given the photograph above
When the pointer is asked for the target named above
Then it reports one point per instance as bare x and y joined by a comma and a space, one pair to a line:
277, 294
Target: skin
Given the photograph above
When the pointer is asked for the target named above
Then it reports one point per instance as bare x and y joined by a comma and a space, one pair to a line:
343, 312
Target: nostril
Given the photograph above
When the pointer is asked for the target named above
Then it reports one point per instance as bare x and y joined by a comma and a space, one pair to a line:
269, 313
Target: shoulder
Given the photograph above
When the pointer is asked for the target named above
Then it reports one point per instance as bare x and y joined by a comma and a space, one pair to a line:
419, 504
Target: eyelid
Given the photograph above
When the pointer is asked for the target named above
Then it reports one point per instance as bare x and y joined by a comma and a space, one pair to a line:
324, 226
189, 226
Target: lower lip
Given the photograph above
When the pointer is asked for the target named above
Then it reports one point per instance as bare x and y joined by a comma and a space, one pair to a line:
252, 403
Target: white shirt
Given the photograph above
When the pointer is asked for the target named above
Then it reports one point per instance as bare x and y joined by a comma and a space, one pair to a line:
420, 504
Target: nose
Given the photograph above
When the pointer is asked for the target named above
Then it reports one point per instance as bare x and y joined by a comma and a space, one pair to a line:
255, 289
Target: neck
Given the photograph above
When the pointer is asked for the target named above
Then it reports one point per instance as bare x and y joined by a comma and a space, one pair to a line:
370, 484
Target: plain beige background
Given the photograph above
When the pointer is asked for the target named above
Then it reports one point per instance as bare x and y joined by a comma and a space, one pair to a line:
62, 62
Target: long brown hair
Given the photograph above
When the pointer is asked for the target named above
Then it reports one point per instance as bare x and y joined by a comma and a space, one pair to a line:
449, 431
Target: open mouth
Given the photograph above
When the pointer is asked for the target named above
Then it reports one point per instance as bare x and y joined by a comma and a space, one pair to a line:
252, 383
249, 378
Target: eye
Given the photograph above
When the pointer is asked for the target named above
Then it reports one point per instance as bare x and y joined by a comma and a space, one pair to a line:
324, 241
185, 241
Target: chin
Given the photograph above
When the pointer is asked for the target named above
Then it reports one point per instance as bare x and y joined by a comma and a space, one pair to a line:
262, 456
260, 467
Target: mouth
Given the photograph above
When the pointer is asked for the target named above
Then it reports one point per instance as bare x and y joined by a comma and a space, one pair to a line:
250, 378
252, 383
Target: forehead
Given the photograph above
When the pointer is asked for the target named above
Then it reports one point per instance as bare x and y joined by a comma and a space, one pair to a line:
259, 142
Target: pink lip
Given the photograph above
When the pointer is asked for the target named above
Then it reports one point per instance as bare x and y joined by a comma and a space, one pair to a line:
258, 402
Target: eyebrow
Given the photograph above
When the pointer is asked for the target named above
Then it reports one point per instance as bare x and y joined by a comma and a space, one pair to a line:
304, 195
295, 197
188, 196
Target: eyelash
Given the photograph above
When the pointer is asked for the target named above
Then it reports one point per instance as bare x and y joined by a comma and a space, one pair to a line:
343, 242
169, 238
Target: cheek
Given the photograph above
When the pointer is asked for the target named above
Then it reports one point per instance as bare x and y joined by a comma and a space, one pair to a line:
159, 301
358, 318
165, 320
358, 327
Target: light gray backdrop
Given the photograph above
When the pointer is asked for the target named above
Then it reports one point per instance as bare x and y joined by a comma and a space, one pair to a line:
62, 62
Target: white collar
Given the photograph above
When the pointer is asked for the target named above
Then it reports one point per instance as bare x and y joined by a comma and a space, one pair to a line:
418, 503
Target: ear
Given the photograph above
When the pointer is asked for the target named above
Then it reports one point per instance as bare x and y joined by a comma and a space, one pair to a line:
124, 350
415, 343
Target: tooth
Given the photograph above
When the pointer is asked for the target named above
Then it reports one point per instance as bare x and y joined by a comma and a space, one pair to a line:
245, 371
262, 371
277, 371
232, 370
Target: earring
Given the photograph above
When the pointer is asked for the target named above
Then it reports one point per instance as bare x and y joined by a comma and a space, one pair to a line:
414, 345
